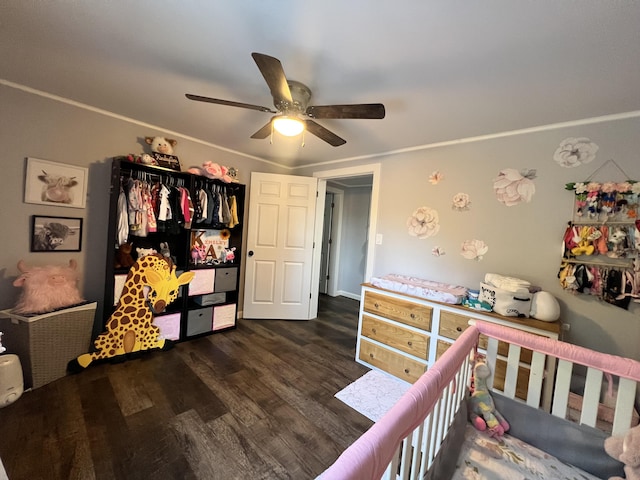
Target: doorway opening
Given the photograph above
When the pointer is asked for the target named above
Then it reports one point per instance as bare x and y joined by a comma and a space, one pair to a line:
347, 257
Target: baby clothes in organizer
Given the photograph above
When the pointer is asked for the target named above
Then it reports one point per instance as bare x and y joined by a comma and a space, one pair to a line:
151, 203
215, 206
602, 260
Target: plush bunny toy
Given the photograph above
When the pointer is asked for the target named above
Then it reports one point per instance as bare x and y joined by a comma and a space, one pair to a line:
482, 410
626, 448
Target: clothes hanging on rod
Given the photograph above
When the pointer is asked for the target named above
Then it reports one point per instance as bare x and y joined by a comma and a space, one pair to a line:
615, 285
161, 203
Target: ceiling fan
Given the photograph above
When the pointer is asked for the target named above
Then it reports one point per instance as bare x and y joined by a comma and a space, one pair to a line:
291, 101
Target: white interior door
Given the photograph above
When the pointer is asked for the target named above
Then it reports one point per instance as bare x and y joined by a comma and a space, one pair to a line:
279, 259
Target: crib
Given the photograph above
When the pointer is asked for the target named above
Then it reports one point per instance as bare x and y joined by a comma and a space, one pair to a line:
421, 435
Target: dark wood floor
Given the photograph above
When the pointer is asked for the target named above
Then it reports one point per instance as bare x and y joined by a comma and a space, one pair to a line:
253, 402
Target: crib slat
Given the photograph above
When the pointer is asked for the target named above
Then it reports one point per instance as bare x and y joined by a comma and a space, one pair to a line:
451, 393
442, 414
417, 449
435, 415
405, 465
561, 391
511, 376
492, 355
392, 468
624, 406
426, 445
536, 376
591, 397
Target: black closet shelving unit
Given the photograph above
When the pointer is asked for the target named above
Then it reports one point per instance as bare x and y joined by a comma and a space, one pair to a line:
213, 305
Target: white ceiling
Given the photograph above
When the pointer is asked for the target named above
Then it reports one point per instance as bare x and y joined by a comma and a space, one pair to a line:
444, 69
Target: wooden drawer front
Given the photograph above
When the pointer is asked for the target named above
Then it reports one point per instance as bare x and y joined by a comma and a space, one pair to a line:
391, 362
522, 383
441, 348
397, 309
452, 325
401, 338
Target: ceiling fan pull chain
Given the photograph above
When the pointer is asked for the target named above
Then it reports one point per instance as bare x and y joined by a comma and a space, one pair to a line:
302, 144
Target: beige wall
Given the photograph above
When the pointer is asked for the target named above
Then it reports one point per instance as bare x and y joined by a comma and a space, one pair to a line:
524, 240
34, 126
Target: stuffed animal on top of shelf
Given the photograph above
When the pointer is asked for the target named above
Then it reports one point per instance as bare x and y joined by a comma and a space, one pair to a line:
161, 145
626, 449
47, 288
212, 170
482, 410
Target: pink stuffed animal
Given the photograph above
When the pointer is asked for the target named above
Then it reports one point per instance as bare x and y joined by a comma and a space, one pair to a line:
198, 254
47, 288
212, 170
626, 449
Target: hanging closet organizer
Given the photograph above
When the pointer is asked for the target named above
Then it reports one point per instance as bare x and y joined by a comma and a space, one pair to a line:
601, 243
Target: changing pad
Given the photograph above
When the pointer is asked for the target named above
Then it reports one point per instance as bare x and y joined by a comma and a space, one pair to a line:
439, 292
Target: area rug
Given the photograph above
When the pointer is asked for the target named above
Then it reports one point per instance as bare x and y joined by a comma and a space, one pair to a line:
373, 394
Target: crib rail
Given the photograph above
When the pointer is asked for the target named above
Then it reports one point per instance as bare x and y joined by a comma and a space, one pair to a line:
404, 443
622, 374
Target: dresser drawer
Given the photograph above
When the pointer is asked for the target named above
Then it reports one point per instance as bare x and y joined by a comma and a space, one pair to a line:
394, 363
453, 324
403, 339
404, 311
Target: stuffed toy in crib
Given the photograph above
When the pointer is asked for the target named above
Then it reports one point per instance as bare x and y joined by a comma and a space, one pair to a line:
482, 410
626, 448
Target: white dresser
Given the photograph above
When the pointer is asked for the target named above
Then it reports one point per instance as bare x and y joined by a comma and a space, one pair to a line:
403, 335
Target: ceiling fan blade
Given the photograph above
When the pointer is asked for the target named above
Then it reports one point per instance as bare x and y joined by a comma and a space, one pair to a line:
363, 110
273, 73
229, 103
324, 134
264, 132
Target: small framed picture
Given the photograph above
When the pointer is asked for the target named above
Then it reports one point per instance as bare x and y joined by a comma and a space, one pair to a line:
56, 234
52, 183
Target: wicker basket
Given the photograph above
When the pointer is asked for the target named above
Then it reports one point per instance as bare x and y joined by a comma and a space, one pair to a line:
45, 343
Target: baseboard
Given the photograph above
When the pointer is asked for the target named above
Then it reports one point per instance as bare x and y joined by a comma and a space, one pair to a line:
352, 296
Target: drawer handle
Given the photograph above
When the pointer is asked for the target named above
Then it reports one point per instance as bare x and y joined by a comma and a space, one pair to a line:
377, 305
413, 316
406, 370
410, 343
373, 330
459, 329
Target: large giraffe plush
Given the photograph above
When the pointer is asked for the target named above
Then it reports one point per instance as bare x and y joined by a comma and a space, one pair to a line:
150, 286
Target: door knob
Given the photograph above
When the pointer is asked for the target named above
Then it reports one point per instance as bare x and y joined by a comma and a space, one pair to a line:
251, 253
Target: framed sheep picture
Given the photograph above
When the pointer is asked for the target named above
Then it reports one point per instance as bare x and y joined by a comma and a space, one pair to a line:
56, 234
52, 183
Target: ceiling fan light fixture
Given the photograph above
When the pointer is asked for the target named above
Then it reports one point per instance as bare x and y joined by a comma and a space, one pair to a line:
288, 126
